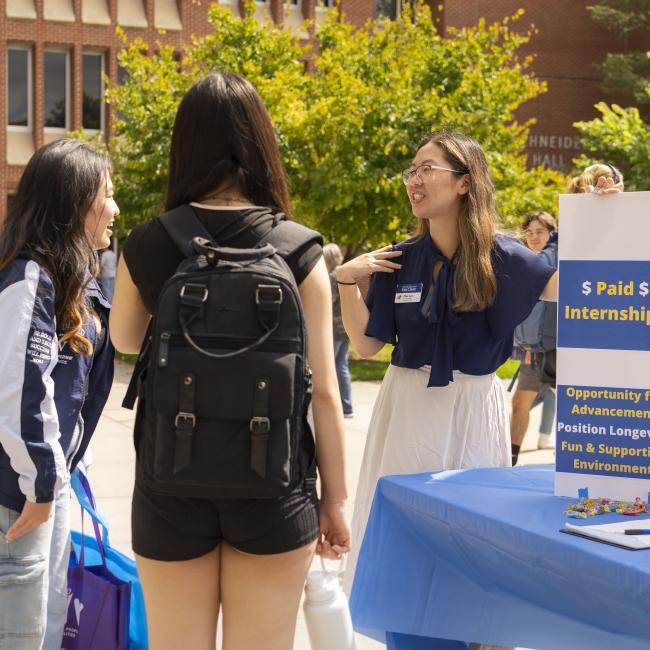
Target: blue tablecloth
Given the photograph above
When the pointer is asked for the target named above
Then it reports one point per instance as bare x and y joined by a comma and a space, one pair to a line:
477, 556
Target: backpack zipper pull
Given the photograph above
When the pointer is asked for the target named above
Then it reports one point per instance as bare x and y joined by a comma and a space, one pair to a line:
163, 350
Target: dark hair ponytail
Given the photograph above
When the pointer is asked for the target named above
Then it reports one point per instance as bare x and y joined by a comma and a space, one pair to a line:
223, 136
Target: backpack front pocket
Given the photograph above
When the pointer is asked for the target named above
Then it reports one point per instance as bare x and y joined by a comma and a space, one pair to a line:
226, 425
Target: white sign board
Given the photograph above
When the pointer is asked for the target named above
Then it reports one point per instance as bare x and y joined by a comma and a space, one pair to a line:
603, 364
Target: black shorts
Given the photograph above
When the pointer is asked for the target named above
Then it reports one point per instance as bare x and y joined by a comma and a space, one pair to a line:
178, 528
539, 376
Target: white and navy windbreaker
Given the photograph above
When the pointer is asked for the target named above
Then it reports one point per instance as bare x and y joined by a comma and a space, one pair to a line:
50, 397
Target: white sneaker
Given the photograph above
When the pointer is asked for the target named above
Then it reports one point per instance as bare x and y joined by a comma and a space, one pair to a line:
546, 441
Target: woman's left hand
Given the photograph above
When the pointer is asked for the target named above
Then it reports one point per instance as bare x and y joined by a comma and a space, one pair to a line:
31, 517
334, 529
606, 185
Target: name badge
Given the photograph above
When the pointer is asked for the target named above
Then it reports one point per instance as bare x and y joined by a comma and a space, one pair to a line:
408, 292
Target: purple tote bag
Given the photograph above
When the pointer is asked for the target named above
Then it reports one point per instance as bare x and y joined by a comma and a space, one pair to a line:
98, 601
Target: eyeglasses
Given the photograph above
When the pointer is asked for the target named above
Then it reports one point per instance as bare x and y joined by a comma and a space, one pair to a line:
424, 172
532, 233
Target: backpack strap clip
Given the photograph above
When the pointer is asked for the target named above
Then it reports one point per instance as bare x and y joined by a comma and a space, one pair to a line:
192, 297
260, 426
193, 294
185, 422
268, 299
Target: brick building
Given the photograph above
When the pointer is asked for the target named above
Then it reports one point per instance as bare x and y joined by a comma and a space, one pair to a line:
54, 53
567, 47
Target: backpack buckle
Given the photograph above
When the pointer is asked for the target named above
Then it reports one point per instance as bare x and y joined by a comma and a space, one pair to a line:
185, 420
194, 292
268, 295
259, 426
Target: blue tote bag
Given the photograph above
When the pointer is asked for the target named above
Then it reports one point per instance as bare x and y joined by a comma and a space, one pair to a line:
105, 570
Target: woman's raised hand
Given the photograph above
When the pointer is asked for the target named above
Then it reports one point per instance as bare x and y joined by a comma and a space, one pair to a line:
379, 261
606, 185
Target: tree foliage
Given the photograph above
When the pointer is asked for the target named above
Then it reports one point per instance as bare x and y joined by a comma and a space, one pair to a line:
625, 73
619, 137
348, 113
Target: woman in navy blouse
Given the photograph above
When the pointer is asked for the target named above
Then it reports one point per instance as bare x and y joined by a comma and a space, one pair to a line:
449, 300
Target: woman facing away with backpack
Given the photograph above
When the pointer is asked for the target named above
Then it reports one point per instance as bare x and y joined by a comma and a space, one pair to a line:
197, 552
56, 363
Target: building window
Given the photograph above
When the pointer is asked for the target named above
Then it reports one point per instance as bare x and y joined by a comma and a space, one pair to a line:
93, 91
390, 8
57, 90
19, 87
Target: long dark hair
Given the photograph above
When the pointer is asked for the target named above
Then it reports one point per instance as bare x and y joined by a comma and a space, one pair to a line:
46, 222
223, 136
475, 284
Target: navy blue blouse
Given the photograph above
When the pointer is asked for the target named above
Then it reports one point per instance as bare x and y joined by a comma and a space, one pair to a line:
419, 320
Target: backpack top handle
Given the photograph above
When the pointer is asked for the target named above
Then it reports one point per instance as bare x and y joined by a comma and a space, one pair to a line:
202, 246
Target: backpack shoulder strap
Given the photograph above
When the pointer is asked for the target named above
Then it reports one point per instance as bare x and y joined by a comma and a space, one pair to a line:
288, 236
182, 225
133, 389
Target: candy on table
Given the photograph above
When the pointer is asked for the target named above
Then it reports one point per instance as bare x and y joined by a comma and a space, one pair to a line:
575, 515
590, 507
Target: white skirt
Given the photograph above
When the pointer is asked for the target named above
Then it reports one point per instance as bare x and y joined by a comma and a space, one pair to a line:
418, 429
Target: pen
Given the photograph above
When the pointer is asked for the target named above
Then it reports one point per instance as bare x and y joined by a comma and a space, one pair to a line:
637, 531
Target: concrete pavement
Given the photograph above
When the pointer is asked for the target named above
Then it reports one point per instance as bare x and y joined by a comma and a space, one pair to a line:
112, 470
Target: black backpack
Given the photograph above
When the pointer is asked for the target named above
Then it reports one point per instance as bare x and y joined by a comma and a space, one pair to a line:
223, 383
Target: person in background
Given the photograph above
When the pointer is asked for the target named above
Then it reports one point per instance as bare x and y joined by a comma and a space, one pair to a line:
56, 363
535, 342
599, 178
107, 267
333, 258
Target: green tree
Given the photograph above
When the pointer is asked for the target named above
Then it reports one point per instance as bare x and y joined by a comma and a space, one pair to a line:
620, 137
347, 114
625, 73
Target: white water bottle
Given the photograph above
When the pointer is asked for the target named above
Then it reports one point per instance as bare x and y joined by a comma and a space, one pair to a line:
327, 613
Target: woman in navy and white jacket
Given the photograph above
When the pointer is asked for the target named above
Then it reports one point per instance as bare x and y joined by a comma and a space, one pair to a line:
56, 369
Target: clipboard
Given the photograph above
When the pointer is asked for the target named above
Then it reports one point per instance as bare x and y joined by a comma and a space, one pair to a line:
600, 541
